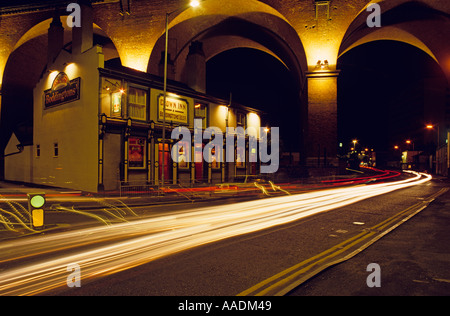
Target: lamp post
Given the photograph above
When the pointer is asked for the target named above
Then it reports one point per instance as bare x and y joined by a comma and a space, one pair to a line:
409, 142
193, 4
431, 126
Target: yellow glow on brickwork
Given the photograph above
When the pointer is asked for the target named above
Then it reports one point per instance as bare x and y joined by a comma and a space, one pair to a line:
136, 59
253, 123
2, 69
316, 51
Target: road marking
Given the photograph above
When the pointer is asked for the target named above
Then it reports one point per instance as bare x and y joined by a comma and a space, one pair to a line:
285, 281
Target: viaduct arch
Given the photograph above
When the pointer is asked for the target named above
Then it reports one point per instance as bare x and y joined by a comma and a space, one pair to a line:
299, 33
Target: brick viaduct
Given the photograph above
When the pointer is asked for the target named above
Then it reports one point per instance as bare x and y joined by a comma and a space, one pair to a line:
300, 33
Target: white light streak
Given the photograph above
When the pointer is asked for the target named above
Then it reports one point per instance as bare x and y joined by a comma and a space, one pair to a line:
141, 241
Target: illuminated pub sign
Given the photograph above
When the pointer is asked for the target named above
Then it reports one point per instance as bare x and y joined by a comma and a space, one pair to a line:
116, 99
62, 91
176, 109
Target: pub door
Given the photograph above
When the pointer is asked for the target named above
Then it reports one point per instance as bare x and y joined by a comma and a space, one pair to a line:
167, 163
198, 156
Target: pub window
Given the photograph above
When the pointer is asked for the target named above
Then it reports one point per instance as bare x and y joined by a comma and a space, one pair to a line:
137, 103
55, 150
38, 150
240, 156
214, 163
240, 119
201, 112
136, 152
183, 154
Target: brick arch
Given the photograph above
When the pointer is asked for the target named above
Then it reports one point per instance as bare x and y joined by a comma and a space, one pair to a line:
27, 55
249, 24
41, 29
410, 22
35, 25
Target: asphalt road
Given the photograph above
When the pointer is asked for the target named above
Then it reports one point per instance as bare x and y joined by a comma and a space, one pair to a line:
413, 258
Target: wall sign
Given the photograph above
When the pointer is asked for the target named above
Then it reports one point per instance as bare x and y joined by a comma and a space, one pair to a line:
62, 91
176, 109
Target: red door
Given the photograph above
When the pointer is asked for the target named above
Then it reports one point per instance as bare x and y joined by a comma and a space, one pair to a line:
198, 156
167, 163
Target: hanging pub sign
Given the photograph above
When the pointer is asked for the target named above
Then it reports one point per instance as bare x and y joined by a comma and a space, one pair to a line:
62, 91
116, 99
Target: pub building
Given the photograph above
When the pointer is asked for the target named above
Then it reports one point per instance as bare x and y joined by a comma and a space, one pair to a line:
99, 126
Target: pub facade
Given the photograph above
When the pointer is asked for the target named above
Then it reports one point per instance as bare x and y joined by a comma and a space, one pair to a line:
98, 127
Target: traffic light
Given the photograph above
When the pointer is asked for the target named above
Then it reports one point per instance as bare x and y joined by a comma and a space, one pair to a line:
36, 202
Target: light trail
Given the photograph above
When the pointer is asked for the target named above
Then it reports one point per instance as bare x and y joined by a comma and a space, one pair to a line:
134, 243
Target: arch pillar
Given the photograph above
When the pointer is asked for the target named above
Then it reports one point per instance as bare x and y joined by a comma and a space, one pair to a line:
322, 118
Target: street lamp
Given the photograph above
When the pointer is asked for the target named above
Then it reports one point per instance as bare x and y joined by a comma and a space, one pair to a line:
409, 142
431, 126
193, 4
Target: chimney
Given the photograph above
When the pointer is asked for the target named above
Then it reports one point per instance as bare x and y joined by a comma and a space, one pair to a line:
83, 36
170, 67
195, 68
55, 38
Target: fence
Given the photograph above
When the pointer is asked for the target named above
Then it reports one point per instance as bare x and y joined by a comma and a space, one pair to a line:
442, 161
138, 188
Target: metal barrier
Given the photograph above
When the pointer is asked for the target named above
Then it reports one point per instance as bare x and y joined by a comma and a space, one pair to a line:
138, 188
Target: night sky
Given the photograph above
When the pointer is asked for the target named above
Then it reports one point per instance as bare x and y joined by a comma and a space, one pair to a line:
386, 94
258, 80
383, 92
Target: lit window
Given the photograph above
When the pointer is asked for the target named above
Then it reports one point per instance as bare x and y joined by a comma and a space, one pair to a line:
201, 112
240, 157
183, 149
214, 163
240, 119
137, 103
55, 150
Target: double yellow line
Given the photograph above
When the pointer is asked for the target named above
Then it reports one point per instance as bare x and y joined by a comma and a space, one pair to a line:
285, 281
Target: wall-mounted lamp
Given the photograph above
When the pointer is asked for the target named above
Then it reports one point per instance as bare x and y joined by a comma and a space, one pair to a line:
322, 65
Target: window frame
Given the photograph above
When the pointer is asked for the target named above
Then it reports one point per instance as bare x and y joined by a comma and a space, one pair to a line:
129, 103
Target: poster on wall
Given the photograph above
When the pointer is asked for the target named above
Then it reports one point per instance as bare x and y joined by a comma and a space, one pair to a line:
136, 152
